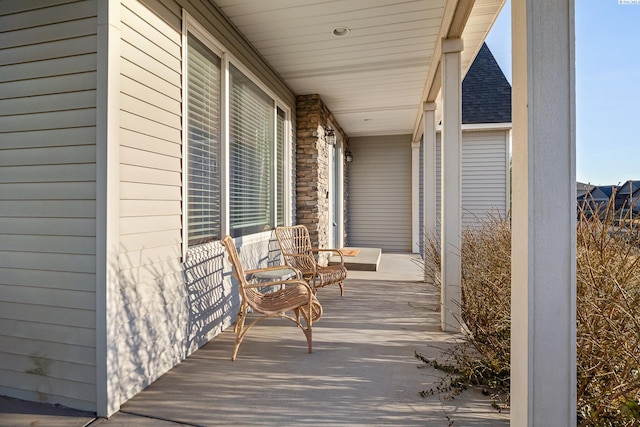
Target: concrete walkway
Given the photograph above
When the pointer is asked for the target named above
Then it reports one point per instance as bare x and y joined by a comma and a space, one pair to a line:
362, 371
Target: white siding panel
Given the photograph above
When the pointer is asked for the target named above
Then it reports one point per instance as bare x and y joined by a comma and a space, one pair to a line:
145, 175
151, 144
26, 16
84, 337
48, 208
48, 261
33, 386
47, 201
48, 67
55, 191
37, 104
53, 244
380, 193
48, 85
54, 350
48, 226
43, 35
48, 279
50, 120
49, 156
134, 225
58, 315
55, 49
129, 156
150, 111
152, 314
485, 175
47, 138
48, 173
54, 368
148, 126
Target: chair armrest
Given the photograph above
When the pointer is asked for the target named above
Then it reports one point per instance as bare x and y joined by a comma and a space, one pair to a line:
297, 272
337, 251
279, 283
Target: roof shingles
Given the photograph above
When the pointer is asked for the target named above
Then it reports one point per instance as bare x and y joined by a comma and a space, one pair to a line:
486, 93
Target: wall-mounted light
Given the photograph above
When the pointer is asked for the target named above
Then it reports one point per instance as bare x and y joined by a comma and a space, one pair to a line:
348, 156
330, 136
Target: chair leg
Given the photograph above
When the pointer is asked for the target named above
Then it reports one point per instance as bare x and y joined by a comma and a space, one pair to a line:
307, 334
239, 330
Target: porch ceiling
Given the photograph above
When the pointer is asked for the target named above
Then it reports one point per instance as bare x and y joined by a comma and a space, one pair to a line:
375, 78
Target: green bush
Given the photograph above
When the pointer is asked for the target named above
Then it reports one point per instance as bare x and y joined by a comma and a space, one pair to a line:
608, 313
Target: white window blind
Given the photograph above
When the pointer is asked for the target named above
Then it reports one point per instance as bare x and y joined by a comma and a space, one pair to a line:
203, 143
251, 142
280, 183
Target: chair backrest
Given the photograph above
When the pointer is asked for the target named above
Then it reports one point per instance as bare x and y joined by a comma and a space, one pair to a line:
295, 240
250, 295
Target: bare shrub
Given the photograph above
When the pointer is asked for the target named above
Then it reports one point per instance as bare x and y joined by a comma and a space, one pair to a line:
608, 312
483, 358
608, 315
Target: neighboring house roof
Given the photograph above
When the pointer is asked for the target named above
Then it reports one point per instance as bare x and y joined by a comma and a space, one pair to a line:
608, 189
486, 93
628, 188
596, 194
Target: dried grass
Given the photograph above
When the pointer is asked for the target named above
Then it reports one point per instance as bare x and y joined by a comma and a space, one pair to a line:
608, 313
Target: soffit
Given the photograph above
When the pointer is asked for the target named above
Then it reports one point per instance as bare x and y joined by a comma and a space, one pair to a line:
373, 79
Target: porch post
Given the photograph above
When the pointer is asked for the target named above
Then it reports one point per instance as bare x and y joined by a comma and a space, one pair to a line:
450, 221
107, 208
415, 197
429, 169
543, 289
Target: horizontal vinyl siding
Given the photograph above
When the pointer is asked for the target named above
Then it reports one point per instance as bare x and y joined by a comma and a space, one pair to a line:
380, 193
152, 318
47, 201
485, 175
168, 306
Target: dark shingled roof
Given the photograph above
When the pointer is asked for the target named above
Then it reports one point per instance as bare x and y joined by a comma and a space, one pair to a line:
486, 93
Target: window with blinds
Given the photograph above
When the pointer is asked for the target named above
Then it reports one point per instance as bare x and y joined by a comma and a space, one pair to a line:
280, 182
251, 144
203, 143
223, 102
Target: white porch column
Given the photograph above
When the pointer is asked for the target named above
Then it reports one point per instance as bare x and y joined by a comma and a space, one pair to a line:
543, 300
451, 214
429, 169
415, 197
107, 207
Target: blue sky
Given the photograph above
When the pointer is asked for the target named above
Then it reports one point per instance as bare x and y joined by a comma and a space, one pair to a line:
607, 87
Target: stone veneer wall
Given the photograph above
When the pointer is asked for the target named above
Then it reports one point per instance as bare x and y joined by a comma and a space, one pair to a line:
312, 163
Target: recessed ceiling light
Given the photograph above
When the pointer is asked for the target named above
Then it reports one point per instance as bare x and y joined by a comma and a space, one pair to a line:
340, 31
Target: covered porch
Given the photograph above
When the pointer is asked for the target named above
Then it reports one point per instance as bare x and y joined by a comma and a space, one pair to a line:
362, 370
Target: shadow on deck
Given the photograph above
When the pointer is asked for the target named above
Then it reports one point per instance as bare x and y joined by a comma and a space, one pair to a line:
362, 371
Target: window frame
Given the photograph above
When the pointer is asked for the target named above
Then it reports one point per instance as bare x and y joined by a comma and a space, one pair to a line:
197, 30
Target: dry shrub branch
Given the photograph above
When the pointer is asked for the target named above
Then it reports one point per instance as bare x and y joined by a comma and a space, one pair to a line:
608, 312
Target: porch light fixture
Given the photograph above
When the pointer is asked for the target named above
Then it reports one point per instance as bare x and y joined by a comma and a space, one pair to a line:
348, 156
330, 136
340, 31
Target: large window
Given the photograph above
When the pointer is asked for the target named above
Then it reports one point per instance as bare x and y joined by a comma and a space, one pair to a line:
251, 143
281, 141
235, 179
203, 144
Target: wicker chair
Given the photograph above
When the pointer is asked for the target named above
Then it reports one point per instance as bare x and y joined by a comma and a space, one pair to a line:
289, 295
297, 252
